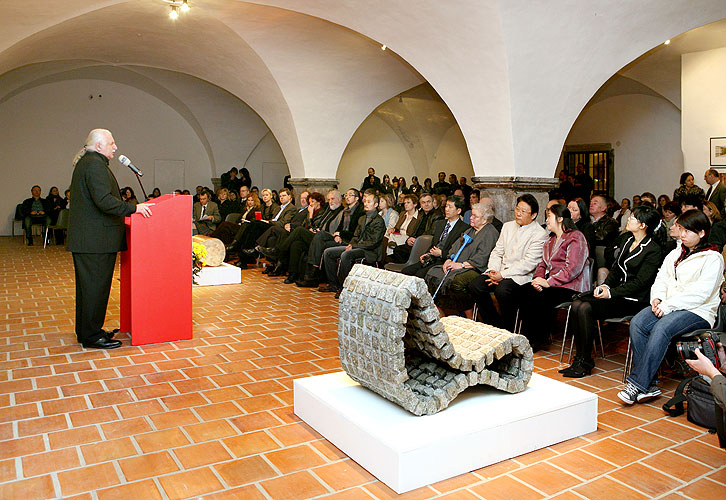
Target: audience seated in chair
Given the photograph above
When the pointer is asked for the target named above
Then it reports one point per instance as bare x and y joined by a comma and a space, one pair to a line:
36, 210
683, 298
56, 205
341, 235
276, 215
624, 292
562, 273
278, 232
516, 255
427, 215
454, 277
446, 232
404, 227
205, 214
291, 253
365, 244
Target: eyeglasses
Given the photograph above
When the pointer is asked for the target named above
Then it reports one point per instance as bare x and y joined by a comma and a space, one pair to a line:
522, 211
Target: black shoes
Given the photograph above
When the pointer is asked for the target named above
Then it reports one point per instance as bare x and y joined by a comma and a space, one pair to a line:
249, 252
579, 368
103, 343
329, 288
278, 271
270, 253
30, 242
307, 283
290, 279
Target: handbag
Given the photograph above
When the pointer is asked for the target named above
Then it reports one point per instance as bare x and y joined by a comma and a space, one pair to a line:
701, 409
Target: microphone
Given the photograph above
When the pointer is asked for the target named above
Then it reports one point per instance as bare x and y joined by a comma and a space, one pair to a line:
127, 163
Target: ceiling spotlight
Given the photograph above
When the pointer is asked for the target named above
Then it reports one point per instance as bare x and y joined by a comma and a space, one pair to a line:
174, 14
383, 47
185, 6
667, 42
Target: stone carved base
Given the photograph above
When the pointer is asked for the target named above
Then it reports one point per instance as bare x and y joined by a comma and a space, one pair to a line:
505, 191
393, 342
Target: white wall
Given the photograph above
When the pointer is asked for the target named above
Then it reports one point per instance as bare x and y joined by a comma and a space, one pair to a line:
375, 145
44, 126
703, 95
645, 133
424, 151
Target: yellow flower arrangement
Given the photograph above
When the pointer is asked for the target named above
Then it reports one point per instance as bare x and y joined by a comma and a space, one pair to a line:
199, 252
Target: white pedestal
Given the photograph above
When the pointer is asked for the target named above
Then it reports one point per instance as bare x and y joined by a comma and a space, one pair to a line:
481, 427
226, 274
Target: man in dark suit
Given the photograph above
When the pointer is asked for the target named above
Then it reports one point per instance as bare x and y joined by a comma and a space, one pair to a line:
342, 232
716, 193
446, 232
277, 232
365, 243
36, 210
96, 233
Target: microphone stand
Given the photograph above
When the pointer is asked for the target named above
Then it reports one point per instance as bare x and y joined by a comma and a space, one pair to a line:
142, 186
454, 258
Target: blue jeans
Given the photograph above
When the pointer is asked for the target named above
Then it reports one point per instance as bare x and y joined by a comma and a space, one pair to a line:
650, 337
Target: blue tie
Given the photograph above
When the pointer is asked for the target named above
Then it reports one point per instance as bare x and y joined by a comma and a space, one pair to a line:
445, 233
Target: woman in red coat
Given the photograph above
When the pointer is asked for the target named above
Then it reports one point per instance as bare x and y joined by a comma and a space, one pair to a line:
562, 273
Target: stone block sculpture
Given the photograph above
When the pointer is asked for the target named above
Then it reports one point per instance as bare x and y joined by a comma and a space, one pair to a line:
393, 342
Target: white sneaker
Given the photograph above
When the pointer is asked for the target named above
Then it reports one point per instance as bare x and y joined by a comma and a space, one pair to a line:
629, 395
652, 393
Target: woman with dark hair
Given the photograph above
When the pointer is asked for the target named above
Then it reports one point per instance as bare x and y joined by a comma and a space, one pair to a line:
127, 195
427, 186
386, 187
687, 187
624, 291
57, 204
244, 178
579, 213
415, 188
684, 297
663, 200
562, 273
156, 193
402, 185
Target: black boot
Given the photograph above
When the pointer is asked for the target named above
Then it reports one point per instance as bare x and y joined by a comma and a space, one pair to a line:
279, 270
291, 279
580, 367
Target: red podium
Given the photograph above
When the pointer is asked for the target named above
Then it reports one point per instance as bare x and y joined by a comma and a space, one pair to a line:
156, 273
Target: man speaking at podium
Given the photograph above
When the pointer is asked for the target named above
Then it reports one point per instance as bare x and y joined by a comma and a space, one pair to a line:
96, 233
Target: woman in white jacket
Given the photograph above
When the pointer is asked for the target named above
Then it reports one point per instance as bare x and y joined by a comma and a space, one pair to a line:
684, 297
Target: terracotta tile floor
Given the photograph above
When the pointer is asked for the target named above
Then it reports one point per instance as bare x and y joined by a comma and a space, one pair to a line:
212, 417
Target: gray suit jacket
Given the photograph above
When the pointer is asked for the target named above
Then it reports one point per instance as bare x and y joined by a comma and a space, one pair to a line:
212, 210
97, 214
718, 197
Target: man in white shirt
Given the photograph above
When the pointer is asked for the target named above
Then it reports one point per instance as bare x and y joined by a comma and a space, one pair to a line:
511, 264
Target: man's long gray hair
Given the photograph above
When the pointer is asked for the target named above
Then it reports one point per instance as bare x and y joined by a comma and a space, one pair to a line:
94, 137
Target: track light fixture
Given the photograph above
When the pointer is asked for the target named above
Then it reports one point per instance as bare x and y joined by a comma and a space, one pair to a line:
177, 6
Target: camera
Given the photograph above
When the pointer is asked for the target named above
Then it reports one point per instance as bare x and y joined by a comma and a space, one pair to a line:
706, 341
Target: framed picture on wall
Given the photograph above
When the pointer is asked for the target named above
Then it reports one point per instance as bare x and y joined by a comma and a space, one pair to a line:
718, 151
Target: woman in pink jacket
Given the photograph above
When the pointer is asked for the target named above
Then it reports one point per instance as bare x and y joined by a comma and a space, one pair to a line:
562, 273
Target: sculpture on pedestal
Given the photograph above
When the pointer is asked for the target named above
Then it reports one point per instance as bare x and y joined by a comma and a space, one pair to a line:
393, 342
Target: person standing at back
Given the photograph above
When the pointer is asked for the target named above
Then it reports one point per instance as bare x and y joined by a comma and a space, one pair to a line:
96, 233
